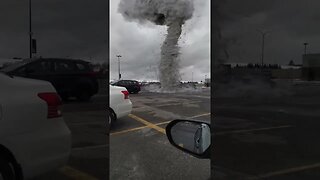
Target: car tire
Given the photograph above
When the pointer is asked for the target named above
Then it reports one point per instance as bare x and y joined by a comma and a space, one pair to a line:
64, 97
84, 95
7, 170
111, 118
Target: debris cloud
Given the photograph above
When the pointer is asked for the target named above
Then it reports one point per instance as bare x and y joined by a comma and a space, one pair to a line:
171, 13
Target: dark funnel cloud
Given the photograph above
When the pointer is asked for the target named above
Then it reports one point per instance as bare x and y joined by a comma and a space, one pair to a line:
172, 13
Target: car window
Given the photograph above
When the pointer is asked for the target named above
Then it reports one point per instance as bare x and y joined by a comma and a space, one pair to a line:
15, 65
121, 82
36, 67
64, 66
81, 67
21, 70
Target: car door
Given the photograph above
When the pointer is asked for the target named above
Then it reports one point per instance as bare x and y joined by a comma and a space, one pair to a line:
130, 86
64, 76
126, 84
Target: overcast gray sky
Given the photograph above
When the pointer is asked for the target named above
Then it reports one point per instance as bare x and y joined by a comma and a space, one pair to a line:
75, 29
78, 30
139, 45
291, 22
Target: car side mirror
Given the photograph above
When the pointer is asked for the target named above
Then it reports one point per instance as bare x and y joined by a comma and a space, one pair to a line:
192, 137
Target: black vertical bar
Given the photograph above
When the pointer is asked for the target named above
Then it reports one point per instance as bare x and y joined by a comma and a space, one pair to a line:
30, 31
262, 54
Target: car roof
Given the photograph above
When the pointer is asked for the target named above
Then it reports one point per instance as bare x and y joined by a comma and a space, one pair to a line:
64, 59
30, 60
128, 80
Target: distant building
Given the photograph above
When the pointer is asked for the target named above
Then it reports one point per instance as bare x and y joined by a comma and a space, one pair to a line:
311, 67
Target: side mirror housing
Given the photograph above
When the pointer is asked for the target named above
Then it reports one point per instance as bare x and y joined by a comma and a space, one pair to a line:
192, 137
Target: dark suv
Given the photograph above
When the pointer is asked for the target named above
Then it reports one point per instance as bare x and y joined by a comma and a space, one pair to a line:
71, 78
131, 85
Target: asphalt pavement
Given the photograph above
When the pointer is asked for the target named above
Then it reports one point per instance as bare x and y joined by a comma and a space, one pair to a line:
141, 153
139, 148
255, 137
89, 156
267, 137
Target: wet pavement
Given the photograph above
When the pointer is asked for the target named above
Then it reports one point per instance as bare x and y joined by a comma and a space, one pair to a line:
138, 151
267, 137
89, 156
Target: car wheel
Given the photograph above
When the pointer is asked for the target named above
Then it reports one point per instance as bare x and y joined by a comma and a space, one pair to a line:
7, 171
111, 118
65, 97
84, 95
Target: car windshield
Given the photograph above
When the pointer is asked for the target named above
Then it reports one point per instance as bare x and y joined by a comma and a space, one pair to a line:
15, 65
113, 83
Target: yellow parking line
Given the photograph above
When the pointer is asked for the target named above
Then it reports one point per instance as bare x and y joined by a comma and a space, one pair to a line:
75, 174
150, 125
200, 115
166, 122
287, 171
137, 128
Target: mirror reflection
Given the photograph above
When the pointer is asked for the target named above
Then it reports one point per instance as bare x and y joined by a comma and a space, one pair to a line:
194, 137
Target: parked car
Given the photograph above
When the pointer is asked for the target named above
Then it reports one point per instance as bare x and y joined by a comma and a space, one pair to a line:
190, 136
120, 104
34, 137
131, 85
71, 78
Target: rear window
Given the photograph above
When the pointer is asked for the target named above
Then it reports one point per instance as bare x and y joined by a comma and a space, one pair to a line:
15, 65
123, 82
64, 66
40, 66
82, 67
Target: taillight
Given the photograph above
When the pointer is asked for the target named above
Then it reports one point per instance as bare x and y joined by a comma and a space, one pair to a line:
92, 74
126, 94
54, 102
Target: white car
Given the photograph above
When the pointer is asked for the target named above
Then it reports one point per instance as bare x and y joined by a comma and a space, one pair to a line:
34, 137
120, 104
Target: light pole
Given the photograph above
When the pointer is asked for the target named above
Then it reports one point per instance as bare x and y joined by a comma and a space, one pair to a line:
30, 31
205, 81
263, 33
305, 48
192, 77
119, 56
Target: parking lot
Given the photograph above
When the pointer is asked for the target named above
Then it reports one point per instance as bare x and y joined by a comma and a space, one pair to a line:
268, 136
139, 148
256, 137
89, 155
